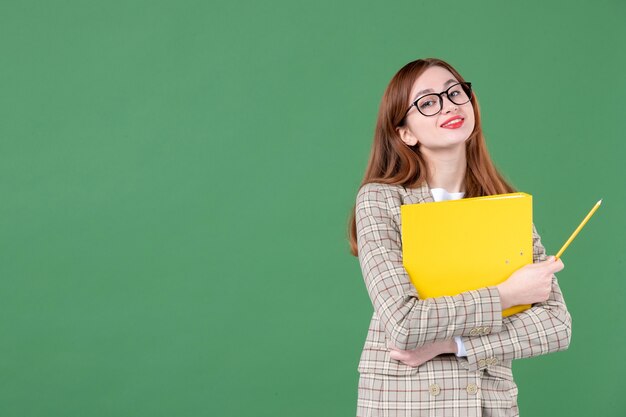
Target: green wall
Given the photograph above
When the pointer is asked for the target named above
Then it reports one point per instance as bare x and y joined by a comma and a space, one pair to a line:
176, 178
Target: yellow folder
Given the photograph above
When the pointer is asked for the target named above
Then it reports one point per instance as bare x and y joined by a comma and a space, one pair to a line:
449, 247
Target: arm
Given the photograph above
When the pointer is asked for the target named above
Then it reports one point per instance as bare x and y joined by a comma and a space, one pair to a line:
544, 328
408, 321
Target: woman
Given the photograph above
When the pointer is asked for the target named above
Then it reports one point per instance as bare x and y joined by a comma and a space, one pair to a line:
452, 355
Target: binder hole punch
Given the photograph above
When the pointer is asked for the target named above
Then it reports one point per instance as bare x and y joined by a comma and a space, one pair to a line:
507, 261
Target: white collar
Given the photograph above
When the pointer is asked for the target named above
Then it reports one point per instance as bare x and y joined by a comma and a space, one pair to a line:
440, 194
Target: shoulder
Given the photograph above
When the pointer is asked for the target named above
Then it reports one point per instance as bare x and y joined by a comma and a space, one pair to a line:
379, 202
374, 192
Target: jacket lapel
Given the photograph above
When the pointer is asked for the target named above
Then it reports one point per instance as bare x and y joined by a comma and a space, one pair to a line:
420, 194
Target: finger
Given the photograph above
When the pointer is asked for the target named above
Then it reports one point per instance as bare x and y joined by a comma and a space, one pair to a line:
553, 264
557, 265
396, 355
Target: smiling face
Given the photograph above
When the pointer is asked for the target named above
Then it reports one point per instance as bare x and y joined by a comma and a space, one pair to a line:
428, 130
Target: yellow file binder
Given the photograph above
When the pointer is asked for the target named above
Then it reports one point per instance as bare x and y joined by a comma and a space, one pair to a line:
449, 247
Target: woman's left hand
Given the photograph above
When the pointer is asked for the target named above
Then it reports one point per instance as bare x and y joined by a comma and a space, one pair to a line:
423, 354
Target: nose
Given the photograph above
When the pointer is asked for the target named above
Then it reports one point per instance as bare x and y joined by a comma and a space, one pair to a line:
448, 105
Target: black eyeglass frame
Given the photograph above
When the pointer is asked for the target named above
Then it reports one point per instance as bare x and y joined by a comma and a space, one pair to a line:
467, 87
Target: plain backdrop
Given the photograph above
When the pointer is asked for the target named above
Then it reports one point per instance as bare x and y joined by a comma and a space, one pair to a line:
176, 179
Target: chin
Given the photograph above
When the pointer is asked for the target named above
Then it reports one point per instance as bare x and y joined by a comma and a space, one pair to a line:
459, 136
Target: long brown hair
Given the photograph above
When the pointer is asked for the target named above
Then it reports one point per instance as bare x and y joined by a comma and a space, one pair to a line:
392, 161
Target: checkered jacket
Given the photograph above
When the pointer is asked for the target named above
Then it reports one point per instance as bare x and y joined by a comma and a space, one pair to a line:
401, 319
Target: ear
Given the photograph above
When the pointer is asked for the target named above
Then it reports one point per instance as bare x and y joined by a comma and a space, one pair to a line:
407, 136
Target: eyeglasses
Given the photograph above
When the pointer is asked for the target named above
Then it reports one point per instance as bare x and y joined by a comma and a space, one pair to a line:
431, 104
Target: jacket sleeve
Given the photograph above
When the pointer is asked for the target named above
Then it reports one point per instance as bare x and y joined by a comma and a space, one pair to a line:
545, 327
409, 322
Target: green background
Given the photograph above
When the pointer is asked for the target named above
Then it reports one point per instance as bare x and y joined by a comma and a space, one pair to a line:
176, 179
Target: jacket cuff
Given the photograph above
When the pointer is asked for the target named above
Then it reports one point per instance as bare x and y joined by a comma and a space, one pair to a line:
478, 356
488, 317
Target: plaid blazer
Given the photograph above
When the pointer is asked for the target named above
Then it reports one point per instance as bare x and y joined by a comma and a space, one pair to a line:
481, 380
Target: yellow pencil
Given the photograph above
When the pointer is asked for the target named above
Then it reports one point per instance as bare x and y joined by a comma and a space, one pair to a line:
585, 220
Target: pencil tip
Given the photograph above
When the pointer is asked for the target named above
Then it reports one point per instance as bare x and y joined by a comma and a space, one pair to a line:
600, 202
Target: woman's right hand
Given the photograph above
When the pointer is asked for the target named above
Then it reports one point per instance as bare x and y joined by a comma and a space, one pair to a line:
530, 284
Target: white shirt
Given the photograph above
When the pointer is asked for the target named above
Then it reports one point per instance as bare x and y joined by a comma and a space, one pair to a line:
440, 194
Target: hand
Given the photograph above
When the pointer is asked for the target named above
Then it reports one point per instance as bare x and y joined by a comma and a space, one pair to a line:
530, 284
423, 354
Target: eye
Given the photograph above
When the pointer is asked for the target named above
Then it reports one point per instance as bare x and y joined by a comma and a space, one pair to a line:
456, 91
426, 103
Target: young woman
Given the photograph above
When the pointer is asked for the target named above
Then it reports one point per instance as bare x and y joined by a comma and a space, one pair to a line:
444, 356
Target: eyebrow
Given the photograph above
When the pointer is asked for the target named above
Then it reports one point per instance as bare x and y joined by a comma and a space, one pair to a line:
430, 90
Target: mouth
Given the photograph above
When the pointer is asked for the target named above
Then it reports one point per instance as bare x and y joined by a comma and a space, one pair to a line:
453, 123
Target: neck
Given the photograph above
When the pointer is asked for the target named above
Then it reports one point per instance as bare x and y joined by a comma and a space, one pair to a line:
446, 169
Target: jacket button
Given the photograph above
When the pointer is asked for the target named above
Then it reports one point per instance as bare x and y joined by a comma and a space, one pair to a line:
472, 388
486, 330
482, 363
473, 332
492, 361
434, 389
